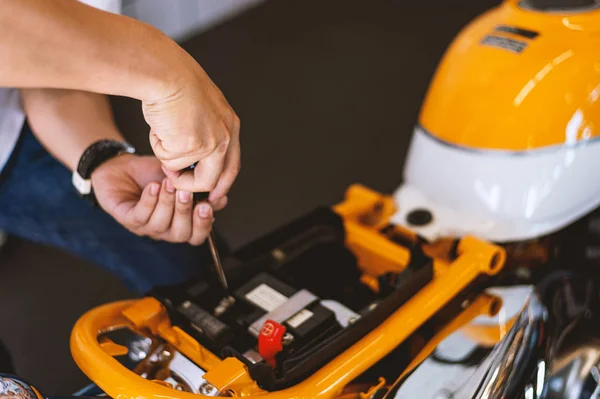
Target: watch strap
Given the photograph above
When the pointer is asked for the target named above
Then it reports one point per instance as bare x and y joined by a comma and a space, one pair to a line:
94, 156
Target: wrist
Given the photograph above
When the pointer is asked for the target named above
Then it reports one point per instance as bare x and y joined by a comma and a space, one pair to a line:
92, 159
171, 71
121, 158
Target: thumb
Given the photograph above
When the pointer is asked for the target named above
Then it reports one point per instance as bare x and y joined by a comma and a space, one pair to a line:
188, 179
182, 180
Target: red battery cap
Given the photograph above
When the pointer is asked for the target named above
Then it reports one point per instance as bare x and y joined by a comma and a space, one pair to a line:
270, 341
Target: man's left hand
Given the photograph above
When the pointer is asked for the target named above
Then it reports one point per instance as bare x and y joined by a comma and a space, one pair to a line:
135, 191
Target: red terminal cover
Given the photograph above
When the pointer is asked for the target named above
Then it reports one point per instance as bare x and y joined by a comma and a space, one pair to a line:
270, 341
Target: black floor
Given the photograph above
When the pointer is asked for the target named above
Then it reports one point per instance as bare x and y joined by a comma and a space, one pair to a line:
327, 92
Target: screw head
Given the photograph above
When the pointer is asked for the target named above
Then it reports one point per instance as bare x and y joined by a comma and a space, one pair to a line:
164, 355
278, 255
208, 389
287, 338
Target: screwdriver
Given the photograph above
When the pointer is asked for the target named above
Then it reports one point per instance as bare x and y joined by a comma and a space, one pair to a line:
199, 197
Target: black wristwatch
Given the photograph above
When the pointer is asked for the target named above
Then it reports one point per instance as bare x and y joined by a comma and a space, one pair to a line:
94, 156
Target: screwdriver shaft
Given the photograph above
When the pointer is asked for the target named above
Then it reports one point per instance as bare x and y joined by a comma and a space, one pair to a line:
217, 260
203, 196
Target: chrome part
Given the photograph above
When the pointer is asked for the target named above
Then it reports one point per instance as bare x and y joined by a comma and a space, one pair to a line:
507, 364
139, 348
224, 306
575, 371
287, 338
253, 356
187, 373
344, 315
289, 308
164, 356
217, 260
552, 351
166, 364
208, 389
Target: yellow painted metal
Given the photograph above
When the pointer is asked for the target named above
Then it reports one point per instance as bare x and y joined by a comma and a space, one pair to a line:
147, 316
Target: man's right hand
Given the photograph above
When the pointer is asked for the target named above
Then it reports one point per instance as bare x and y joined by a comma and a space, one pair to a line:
77, 47
195, 125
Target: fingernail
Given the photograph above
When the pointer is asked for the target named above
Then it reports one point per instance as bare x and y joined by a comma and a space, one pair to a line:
154, 187
184, 196
204, 210
170, 187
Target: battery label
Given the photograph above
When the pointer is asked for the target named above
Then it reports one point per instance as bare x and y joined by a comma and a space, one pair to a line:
266, 297
299, 318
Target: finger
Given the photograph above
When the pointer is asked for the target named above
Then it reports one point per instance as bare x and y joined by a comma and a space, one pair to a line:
203, 220
203, 178
160, 221
186, 176
232, 167
141, 212
220, 204
208, 171
181, 178
179, 161
181, 226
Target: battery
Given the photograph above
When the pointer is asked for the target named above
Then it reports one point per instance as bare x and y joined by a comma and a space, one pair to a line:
308, 323
299, 310
264, 292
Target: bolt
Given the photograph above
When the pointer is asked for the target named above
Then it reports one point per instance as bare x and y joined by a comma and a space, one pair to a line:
208, 389
224, 305
523, 273
139, 350
278, 255
465, 304
164, 355
287, 338
352, 320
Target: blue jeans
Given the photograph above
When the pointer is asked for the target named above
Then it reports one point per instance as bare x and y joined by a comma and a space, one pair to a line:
38, 203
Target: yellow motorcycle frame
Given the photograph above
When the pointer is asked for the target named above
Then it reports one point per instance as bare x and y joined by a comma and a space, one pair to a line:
363, 212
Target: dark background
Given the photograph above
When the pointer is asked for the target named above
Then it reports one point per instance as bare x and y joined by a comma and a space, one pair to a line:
327, 92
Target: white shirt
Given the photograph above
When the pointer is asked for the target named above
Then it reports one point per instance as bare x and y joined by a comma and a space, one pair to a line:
12, 116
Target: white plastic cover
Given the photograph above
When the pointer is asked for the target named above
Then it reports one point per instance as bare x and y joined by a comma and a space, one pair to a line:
497, 195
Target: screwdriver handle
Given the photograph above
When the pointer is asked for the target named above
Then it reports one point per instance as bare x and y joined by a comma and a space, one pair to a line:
200, 196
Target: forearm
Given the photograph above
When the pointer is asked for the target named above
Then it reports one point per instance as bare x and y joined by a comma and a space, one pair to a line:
69, 45
66, 122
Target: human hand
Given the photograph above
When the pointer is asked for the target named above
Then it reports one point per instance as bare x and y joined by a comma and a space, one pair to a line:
195, 125
135, 191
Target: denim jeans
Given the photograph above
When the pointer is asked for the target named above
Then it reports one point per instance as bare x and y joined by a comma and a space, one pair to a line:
38, 203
